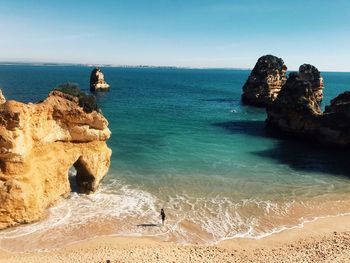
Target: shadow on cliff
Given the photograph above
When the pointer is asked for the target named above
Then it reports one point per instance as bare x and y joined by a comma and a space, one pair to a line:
298, 154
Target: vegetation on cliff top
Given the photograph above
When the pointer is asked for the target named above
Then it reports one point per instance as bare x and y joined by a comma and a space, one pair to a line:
87, 102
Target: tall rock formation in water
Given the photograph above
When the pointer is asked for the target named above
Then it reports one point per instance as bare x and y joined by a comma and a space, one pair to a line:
265, 81
39, 143
2, 97
296, 112
311, 74
97, 81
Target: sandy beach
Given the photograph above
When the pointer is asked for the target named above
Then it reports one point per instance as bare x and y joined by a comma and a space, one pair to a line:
324, 240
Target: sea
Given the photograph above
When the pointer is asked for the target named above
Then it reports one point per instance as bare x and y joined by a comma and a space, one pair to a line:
183, 141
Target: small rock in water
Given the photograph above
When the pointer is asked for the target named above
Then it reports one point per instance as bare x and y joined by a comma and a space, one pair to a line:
97, 80
2, 97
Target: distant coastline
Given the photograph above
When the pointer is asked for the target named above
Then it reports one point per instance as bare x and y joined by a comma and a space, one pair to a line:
7, 63
62, 64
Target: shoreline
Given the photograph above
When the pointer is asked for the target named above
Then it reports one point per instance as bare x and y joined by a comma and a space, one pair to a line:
323, 240
49, 234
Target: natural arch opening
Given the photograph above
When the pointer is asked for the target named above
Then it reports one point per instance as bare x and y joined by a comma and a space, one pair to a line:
84, 178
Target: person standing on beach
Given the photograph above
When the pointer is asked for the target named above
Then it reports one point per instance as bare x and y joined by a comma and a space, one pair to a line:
162, 215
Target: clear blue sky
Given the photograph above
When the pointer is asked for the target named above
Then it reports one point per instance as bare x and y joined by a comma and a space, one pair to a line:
203, 33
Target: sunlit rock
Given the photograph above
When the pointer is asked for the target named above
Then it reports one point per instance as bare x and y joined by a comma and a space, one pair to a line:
97, 81
38, 145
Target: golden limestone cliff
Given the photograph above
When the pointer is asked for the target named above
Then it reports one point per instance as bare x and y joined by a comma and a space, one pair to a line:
39, 143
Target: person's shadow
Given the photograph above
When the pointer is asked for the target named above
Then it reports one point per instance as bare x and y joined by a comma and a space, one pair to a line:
141, 225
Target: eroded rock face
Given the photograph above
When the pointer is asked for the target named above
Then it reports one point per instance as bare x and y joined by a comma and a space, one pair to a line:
2, 97
38, 145
295, 105
296, 112
311, 74
265, 81
97, 80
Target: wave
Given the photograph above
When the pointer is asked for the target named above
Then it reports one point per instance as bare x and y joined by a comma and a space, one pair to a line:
123, 210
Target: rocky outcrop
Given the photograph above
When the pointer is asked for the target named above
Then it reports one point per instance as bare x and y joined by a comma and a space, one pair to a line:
39, 143
311, 74
2, 97
265, 81
296, 112
340, 104
295, 106
97, 81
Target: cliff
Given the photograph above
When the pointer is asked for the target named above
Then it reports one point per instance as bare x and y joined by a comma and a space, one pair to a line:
97, 81
39, 143
265, 81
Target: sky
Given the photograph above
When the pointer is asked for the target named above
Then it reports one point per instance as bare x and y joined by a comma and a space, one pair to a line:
186, 33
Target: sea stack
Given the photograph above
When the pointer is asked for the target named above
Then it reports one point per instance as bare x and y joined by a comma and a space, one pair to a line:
265, 81
2, 97
39, 143
311, 74
97, 80
297, 112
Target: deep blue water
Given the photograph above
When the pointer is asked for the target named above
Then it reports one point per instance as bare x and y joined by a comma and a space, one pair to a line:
182, 140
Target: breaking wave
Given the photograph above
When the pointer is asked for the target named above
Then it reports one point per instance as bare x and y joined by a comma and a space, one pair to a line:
117, 209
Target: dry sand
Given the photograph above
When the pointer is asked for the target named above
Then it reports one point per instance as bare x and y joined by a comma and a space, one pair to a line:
324, 240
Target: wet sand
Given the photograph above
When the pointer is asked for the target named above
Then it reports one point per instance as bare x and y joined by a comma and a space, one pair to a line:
324, 240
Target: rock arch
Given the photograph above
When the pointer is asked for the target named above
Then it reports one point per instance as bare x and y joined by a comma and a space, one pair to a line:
38, 145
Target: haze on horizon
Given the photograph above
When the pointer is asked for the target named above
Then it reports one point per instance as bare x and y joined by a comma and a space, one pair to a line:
190, 33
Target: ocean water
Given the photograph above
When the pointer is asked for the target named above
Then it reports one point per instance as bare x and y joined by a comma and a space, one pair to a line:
182, 141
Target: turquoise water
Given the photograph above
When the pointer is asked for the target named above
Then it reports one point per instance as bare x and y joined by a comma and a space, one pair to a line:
182, 140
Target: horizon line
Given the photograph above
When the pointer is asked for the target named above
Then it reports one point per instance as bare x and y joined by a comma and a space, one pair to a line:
110, 65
